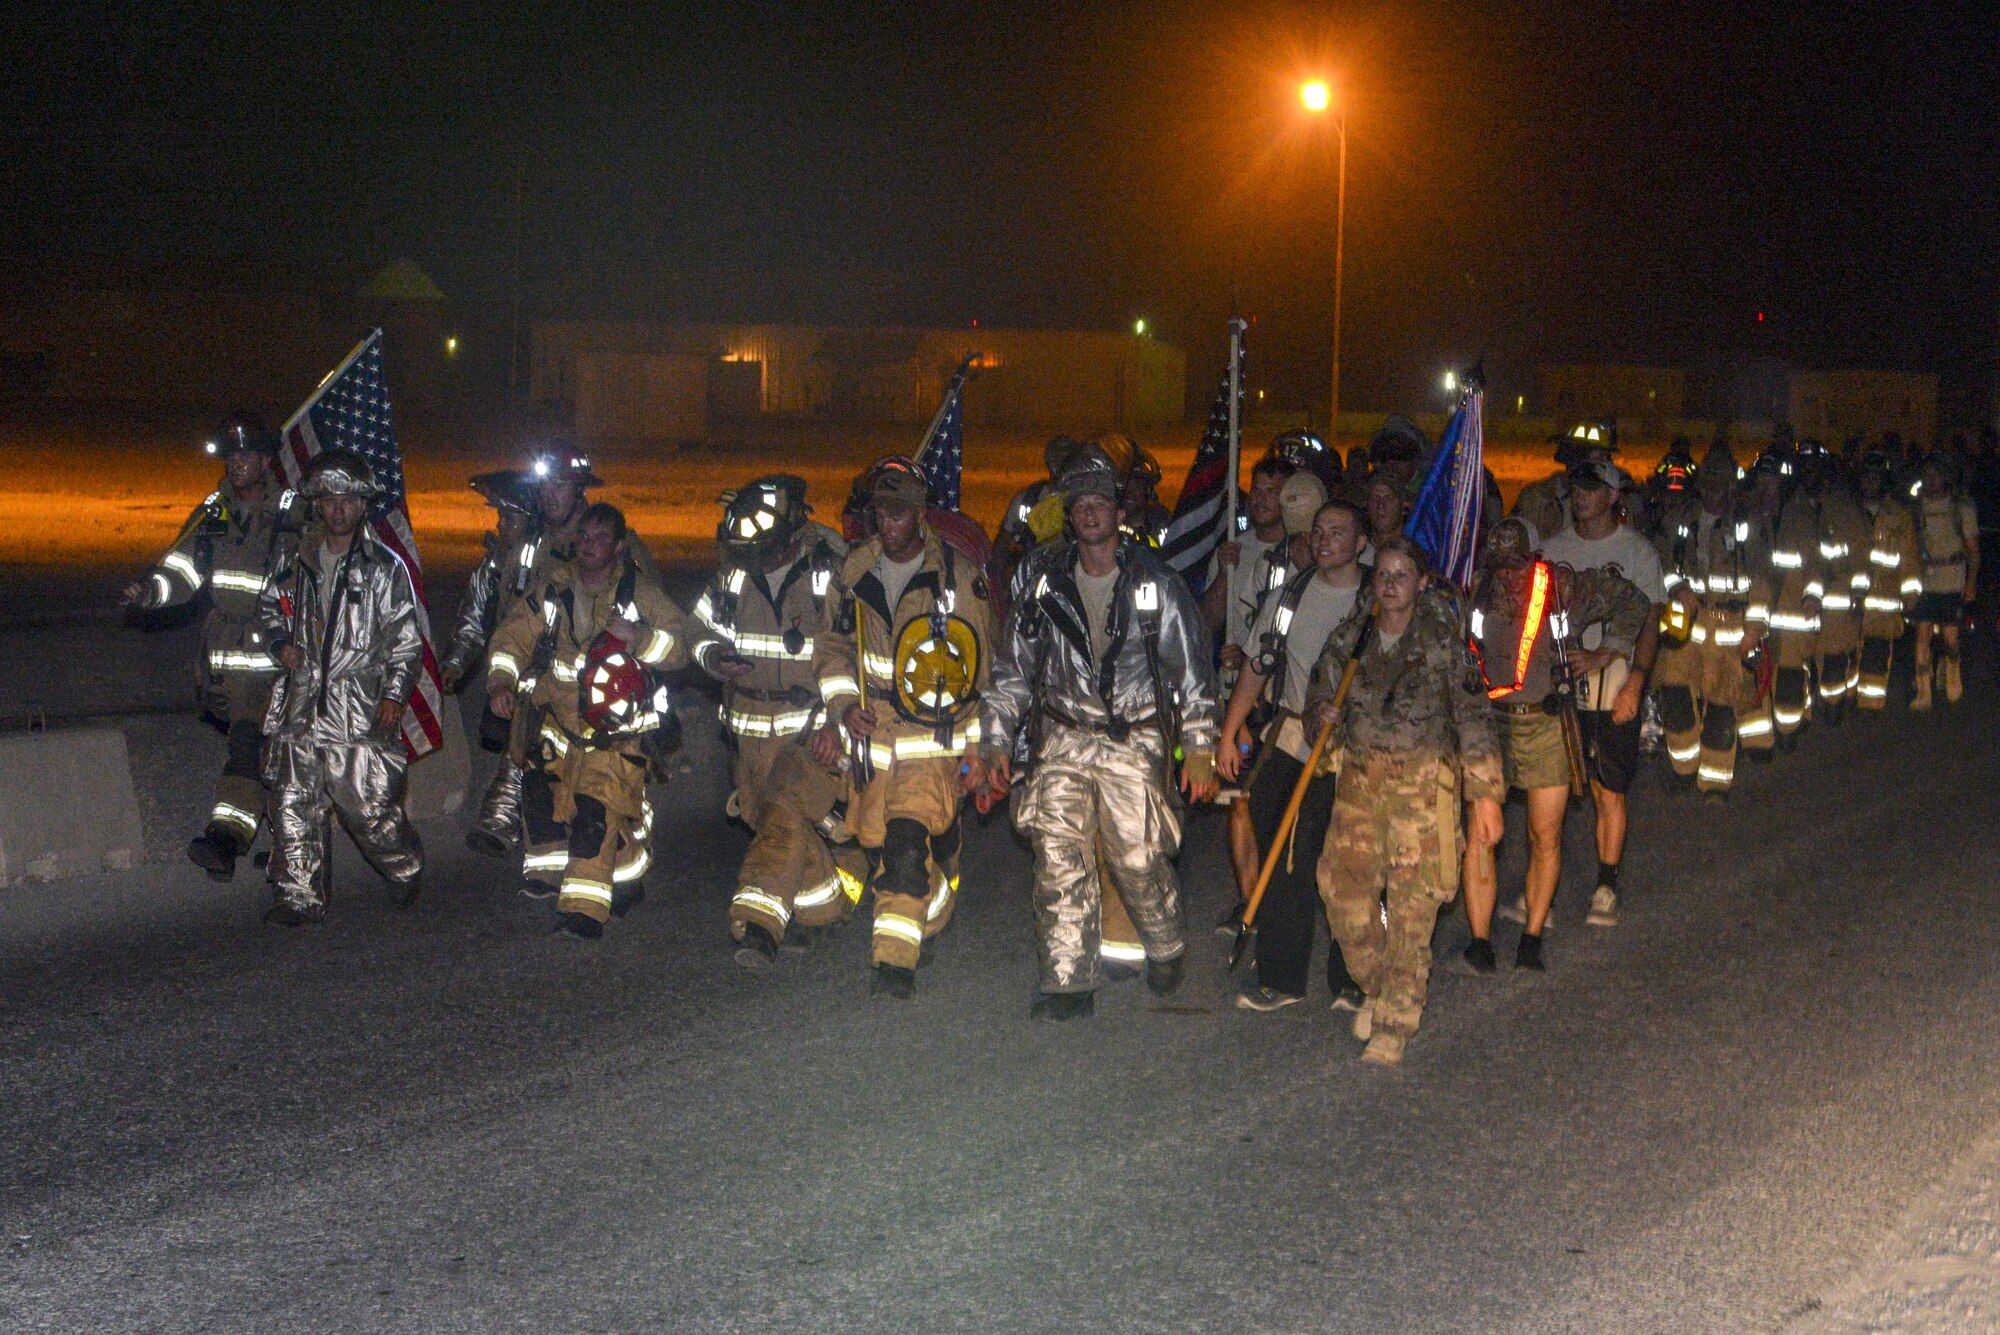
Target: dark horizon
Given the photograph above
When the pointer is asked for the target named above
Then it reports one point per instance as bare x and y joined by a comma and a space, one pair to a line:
1579, 184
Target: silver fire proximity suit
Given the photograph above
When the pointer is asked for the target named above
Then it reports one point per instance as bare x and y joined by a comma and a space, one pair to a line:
496, 585
354, 618
1101, 776
228, 545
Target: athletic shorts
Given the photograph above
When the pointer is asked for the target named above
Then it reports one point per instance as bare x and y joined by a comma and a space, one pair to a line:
1613, 749
1941, 609
1531, 751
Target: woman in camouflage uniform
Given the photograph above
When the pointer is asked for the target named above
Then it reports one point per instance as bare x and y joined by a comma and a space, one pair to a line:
1416, 737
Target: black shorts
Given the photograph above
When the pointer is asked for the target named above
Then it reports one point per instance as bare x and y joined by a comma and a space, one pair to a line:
1943, 609
1612, 748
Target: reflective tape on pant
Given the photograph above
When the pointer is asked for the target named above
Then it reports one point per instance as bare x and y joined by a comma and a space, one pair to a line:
1715, 774
903, 929
236, 818
545, 861
745, 724
241, 660
1750, 727
1690, 753
1119, 951
821, 894
939, 898
750, 897
639, 860
582, 889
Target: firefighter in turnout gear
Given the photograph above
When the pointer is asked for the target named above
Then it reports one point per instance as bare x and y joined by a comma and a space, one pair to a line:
590, 637
340, 615
1894, 578
1844, 535
903, 675
497, 584
1525, 617
1719, 592
1799, 580
228, 546
1416, 741
763, 620
1106, 661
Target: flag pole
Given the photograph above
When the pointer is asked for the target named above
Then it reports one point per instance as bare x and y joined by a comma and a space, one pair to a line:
1236, 327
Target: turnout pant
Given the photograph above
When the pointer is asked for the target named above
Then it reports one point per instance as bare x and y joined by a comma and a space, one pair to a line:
500, 809
1791, 683
792, 873
1395, 824
1087, 798
1288, 918
240, 793
907, 819
1872, 677
362, 783
588, 825
1708, 702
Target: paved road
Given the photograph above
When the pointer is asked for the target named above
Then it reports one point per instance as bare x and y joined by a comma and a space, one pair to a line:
1708, 1118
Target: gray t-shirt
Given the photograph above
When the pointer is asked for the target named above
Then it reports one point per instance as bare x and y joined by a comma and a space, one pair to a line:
1631, 555
896, 576
1096, 591
1321, 607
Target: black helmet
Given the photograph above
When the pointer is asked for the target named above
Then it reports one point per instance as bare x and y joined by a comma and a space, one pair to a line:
762, 517
242, 431
508, 489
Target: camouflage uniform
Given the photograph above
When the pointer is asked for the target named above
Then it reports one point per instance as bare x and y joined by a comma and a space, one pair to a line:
1418, 737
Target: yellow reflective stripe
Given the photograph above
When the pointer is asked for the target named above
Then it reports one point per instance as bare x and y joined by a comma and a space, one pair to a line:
242, 581
750, 897
752, 644
504, 665
879, 666
564, 671
658, 645
1875, 604
1749, 727
1758, 612
925, 746
582, 889
1913, 585
832, 688
553, 735
1727, 636
1689, 753
1815, 589
229, 814
900, 927
823, 893
241, 660
1837, 602
182, 566
634, 869
1889, 560
545, 861
939, 899
1124, 954
1715, 775
1788, 561
1793, 621
746, 724
165, 589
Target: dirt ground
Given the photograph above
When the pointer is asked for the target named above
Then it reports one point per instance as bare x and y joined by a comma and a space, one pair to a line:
110, 489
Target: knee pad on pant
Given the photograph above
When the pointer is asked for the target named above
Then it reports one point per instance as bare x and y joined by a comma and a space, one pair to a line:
1875, 656
587, 830
1718, 730
905, 849
538, 808
1677, 709
944, 847
1789, 686
246, 751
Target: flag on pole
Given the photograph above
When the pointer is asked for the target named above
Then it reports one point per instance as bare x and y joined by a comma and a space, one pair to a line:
942, 455
1445, 519
350, 409
1196, 527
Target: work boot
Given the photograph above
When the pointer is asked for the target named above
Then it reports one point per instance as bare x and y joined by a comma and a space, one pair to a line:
799, 940
1163, 976
1364, 1020
626, 897
579, 925
1058, 1007
756, 950
1760, 755
282, 914
1954, 681
404, 893
1528, 955
535, 888
1260, 998
485, 842
1384, 1050
1788, 742
1603, 907
1922, 699
215, 851
1477, 957
893, 981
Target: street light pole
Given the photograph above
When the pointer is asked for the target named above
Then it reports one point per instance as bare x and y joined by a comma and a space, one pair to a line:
1339, 245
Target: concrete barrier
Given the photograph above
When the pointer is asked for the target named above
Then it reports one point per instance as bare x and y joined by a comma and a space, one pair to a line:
66, 805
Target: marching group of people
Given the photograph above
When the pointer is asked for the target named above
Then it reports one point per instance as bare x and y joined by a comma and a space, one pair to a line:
1363, 720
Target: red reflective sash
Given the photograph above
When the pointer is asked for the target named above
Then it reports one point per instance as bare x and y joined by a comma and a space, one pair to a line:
1531, 630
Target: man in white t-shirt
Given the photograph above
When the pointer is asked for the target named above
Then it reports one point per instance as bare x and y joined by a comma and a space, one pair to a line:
1254, 564
1613, 685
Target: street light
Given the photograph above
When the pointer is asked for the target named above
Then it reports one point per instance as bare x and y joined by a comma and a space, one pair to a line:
1317, 96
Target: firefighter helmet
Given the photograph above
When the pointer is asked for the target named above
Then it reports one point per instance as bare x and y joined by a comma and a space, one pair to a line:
559, 460
615, 694
762, 517
242, 431
937, 670
339, 472
508, 489
1298, 448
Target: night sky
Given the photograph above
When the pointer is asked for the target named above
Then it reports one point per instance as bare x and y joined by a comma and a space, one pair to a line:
1578, 183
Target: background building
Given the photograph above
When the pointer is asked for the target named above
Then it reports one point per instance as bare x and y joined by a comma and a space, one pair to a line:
1831, 406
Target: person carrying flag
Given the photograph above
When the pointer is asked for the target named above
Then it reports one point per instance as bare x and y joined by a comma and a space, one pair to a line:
340, 615
902, 674
228, 546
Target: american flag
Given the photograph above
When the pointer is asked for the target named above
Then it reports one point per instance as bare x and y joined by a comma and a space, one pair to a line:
942, 455
1196, 527
1445, 519
351, 409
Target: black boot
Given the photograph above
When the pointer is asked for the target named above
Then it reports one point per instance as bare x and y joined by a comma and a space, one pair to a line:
626, 897
1528, 955
1058, 1007
1163, 976
215, 851
892, 981
484, 841
282, 914
756, 950
404, 893
1478, 957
